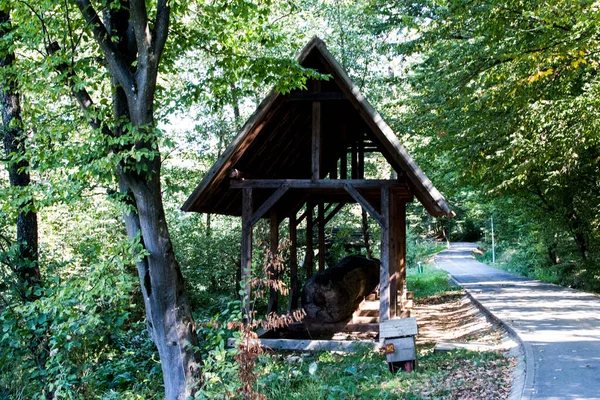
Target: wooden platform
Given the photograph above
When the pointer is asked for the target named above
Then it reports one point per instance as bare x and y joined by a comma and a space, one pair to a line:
314, 345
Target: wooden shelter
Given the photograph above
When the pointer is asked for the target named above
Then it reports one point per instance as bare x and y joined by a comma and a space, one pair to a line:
308, 148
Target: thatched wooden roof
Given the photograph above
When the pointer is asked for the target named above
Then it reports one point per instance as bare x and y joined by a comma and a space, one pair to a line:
275, 143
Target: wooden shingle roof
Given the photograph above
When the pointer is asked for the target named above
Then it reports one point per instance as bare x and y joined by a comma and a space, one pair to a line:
275, 143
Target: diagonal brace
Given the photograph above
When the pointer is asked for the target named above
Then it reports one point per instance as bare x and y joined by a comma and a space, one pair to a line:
364, 203
266, 206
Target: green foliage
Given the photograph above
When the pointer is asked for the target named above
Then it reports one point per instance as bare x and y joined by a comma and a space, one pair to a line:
79, 335
430, 282
364, 375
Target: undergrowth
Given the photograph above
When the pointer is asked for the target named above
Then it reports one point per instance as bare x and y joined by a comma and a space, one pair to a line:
364, 375
430, 282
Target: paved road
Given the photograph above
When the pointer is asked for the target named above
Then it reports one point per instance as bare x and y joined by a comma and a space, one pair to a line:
559, 327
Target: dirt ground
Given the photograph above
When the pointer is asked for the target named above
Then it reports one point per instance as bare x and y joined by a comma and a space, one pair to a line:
453, 317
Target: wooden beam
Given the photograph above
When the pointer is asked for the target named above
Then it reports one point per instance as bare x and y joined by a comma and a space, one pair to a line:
321, 222
237, 174
316, 135
333, 213
246, 256
266, 206
354, 153
313, 345
384, 292
365, 203
398, 249
361, 160
272, 270
344, 154
316, 184
319, 96
308, 259
318, 327
293, 263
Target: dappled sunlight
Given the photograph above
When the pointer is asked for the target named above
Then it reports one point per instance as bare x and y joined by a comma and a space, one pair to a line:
561, 326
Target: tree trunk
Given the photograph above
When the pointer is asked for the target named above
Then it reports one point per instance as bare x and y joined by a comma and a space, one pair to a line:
132, 55
168, 312
26, 263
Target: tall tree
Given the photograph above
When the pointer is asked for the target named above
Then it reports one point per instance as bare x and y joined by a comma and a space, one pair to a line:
131, 40
508, 91
24, 260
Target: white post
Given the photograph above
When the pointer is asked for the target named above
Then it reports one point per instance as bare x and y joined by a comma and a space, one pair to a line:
493, 244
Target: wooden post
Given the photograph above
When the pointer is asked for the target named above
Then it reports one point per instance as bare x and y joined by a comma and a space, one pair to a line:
361, 159
246, 256
397, 251
293, 263
344, 147
272, 271
316, 134
321, 217
384, 273
354, 172
308, 260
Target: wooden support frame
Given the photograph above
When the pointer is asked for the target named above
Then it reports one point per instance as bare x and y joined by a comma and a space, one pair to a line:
321, 236
320, 96
333, 213
365, 203
384, 274
313, 345
246, 256
272, 271
397, 267
317, 184
316, 134
294, 294
266, 206
308, 259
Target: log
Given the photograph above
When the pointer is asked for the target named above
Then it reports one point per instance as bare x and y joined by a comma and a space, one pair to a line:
333, 295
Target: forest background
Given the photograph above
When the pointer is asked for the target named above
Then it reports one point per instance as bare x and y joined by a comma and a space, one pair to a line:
497, 101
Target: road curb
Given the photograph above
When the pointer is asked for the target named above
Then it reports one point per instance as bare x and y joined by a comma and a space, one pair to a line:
523, 385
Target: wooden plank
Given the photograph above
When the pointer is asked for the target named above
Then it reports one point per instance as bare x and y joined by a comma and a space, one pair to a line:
321, 229
399, 327
313, 345
333, 213
384, 293
365, 203
343, 152
246, 250
308, 259
354, 154
293, 263
317, 327
398, 237
266, 206
404, 349
316, 134
444, 347
320, 96
272, 272
361, 160
317, 184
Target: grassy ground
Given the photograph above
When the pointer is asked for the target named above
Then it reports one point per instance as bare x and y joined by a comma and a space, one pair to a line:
454, 375
429, 283
364, 375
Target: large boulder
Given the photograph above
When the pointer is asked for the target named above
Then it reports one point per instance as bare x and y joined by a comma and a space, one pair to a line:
333, 295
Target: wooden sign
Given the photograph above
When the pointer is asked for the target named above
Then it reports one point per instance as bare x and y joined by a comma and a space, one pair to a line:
389, 348
401, 327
